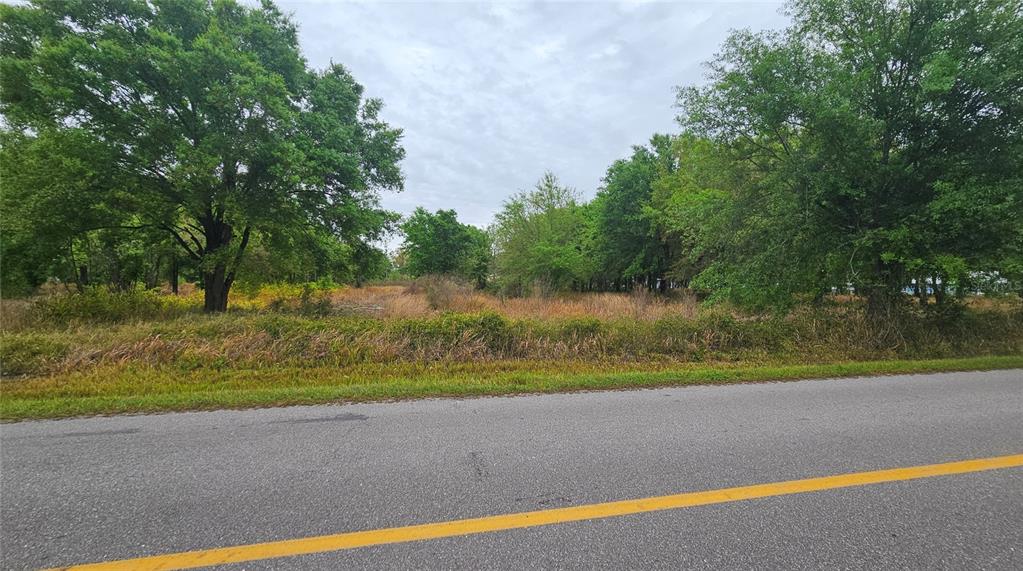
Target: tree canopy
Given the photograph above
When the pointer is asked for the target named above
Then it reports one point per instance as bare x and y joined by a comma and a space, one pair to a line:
538, 239
627, 239
439, 244
873, 142
871, 146
201, 121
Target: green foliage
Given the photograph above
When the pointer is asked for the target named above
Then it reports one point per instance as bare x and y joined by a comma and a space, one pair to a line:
539, 240
870, 145
626, 236
578, 328
439, 244
307, 257
478, 258
689, 205
491, 330
100, 304
200, 121
140, 390
867, 144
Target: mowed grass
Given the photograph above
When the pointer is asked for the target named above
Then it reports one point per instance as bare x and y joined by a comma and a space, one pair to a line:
120, 390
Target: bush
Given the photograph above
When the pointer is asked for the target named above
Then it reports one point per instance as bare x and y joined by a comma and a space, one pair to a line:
441, 291
489, 330
580, 327
100, 304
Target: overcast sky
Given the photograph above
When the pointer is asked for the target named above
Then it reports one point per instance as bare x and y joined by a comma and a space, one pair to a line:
491, 95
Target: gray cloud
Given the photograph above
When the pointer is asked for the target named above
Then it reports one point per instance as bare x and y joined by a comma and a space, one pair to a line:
491, 95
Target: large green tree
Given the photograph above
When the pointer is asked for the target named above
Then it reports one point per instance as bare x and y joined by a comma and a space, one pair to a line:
875, 141
55, 222
626, 237
690, 207
437, 243
539, 240
203, 121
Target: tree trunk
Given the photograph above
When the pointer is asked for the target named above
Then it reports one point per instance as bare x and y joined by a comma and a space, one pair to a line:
115, 277
153, 276
83, 276
884, 297
215, 289
174, 274
879, 303
115, 280
216, 282
939, 291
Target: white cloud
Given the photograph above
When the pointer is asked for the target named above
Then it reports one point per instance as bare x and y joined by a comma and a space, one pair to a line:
607, 51
491, 95
549, 48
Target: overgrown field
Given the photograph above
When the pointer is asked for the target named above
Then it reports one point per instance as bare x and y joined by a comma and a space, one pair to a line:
105, 352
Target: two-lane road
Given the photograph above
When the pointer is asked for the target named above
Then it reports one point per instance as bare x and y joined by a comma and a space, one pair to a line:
105, 489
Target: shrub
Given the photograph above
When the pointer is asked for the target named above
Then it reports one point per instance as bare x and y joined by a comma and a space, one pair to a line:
579, 327
314, 301
488, 330
441, 292
100, 304
309, 331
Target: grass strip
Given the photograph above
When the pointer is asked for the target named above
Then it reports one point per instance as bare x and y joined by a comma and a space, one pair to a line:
166, 390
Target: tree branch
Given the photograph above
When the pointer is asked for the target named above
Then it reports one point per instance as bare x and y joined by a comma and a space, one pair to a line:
241, 251
182, 242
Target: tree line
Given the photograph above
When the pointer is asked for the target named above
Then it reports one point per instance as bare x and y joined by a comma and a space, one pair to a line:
871, 146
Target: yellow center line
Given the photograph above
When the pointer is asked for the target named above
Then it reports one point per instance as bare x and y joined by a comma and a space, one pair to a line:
325, 543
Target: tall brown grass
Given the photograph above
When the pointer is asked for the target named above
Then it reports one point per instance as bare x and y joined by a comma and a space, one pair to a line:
265, 340
441, 321
423, 298
437, 296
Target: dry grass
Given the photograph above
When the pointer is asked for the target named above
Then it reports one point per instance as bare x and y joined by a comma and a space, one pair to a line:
131, 351
393, 301
423, 299
15, 314
440, 321
258, 340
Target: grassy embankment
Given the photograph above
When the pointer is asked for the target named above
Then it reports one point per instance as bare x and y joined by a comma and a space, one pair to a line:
103, 354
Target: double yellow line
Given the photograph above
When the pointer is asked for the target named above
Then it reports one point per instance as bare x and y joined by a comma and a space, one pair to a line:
325, 543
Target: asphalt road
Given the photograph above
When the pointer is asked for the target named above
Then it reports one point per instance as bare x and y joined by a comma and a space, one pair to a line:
99, 489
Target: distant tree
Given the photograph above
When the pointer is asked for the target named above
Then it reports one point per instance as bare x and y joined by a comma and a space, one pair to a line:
687, 205
627, 239
476, 265
875, 142
46, 206
539, 239
439, 244
200, 120
314, 256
